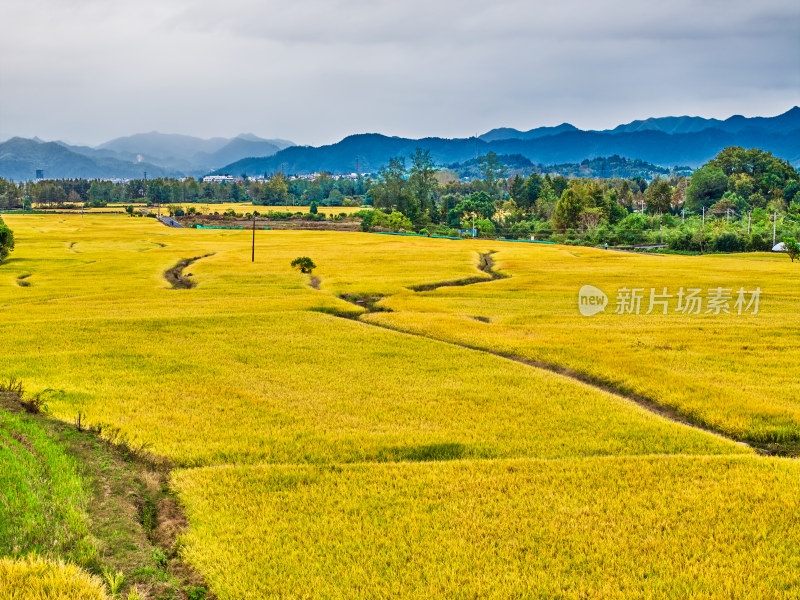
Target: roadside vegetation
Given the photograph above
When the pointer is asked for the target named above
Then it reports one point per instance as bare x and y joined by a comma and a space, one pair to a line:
82, 516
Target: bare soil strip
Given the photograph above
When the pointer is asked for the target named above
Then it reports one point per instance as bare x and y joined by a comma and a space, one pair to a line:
175, 275
485, 264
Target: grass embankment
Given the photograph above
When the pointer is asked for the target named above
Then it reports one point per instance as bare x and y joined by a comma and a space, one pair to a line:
416, 467
80, 516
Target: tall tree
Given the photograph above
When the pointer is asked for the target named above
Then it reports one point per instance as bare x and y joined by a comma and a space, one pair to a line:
276, 191
659, 196
568, 210
492, 170
422, 181
533, 187
705, 187
390, 191
518, 191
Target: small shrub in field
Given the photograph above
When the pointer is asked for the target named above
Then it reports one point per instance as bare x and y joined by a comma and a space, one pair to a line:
305, 264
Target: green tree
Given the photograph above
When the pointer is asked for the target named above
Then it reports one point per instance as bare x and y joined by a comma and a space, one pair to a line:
485, 227
792, 247
568, 210
158, 191
422, 181
559, 184
533, 189
546, 201
492, 170
517, 191
335, 198
706, 186
313, 208
478, 203
50, 194
6, 241
391, 191
275, 192
304, 263
659, 196
394, 221
237, 193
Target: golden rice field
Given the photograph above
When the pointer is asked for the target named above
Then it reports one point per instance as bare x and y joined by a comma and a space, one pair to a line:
614, 527
221, 207
245, 207
729, 371
325, 457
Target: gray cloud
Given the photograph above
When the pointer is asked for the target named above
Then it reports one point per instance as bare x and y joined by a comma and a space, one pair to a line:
316, 70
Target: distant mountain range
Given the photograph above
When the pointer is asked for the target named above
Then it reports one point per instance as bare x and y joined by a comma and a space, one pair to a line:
668, 141
788, 121
160, 155
664, 142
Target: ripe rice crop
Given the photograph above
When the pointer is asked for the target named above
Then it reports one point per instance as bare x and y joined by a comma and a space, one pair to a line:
648, 527
324, 456
727, 371
36, 578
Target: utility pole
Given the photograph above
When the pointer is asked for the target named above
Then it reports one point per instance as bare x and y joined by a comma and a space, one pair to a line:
253, 257
473, 226
749, 216
683, 215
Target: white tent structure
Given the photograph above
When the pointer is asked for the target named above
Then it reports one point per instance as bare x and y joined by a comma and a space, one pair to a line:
779, 247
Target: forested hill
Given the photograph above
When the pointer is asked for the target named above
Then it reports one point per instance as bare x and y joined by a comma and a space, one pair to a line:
20, 158
369, 152
600, 167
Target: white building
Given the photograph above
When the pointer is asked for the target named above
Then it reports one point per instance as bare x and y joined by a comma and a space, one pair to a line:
221, 179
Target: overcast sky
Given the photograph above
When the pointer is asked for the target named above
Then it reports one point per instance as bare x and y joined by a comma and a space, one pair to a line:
313, 71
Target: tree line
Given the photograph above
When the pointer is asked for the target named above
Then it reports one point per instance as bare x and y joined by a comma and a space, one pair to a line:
279, 190
736, 202
739, 200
